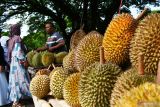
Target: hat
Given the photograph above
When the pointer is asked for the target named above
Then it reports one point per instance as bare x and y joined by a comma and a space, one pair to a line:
4, 40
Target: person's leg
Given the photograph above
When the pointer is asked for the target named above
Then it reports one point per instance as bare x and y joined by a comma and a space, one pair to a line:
7, 76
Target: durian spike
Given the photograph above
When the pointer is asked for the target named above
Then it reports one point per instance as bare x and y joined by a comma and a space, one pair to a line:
158, 74
140, 64
102, 61
142, 14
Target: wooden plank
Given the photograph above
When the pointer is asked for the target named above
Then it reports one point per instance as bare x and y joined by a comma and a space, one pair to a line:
35, 100
58, 103
54, 102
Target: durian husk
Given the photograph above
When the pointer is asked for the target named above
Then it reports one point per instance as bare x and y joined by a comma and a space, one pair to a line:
43, 72
76, 37
69, 61
30, 56
39, 86
47, 58
37, 60
59, 57
52, 72
70, 90
126, 82
146, 40
87, 51
145, 95
57, 80
116, 41
96, 84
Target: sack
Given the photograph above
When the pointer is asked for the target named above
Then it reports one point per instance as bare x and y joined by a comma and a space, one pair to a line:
1, 68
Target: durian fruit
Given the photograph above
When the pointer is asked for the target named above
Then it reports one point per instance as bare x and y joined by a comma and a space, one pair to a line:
30, 56
43, 72
59, 57
146, 40
87, 51
130, 79
37, 60
96, 83
141, 95
52, 72
127, 81
70, 90
117, 39
47, 58
68, 61
76, 37
56, 82
39, 86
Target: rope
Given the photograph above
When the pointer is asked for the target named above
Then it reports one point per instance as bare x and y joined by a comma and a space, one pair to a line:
120, 7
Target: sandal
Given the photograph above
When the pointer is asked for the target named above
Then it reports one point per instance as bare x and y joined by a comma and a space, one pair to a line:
16, 104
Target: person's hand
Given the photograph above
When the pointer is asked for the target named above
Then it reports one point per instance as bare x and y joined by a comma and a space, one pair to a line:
50, 49
38, 49
24, 63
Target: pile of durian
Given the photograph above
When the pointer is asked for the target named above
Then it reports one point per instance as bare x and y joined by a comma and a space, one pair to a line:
45, 58
117, 69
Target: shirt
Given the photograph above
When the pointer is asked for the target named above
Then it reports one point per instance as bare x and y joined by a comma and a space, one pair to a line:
54, 40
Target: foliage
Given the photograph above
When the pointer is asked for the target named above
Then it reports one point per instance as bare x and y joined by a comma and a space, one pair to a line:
67, 15
5, 33
35, 40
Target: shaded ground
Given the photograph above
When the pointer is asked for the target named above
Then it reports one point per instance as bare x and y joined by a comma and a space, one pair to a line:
25, 103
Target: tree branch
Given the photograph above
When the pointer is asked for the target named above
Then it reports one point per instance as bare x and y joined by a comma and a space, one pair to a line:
67, 9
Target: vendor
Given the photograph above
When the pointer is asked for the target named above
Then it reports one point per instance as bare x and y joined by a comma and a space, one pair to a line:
55, 42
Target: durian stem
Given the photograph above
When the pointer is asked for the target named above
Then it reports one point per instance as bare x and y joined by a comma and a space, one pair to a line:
158, 74
82, 26
53, 66
102, 61
142, 14
49, 67
140, 64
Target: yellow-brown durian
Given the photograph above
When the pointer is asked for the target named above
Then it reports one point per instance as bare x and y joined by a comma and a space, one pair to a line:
117, 39
128, 80
57, 81
76, 37
70, 90
39, 86
87, 51
43, 72
146, 40
145, 95
69, 61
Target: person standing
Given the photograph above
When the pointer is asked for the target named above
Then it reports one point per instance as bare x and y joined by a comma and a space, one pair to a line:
4, 44
18, 77
3, 80
55, 42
